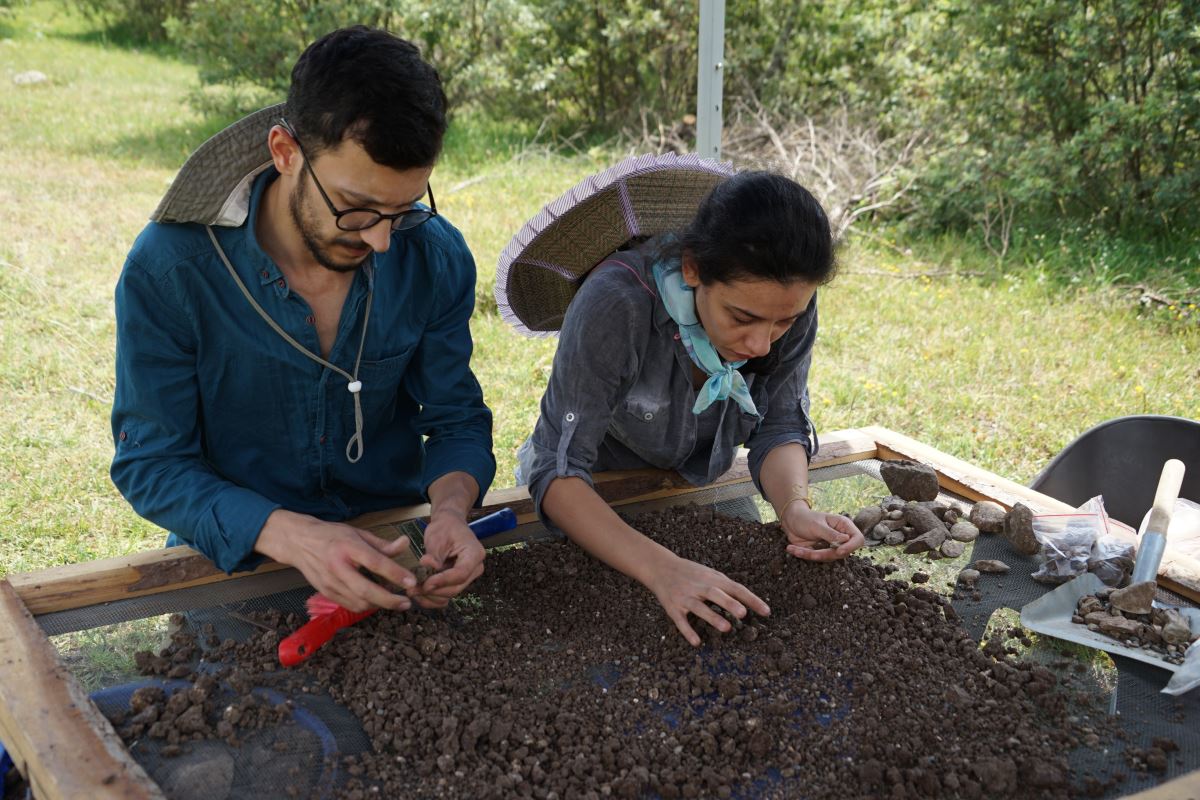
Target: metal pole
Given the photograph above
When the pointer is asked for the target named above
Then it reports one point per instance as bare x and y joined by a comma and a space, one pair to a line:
712, 69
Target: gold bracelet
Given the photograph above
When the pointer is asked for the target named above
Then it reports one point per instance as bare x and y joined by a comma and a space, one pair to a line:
798, 492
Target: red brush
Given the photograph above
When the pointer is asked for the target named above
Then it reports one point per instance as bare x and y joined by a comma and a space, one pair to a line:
327, 617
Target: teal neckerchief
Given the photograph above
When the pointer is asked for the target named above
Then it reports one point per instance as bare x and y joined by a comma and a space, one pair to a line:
724, 379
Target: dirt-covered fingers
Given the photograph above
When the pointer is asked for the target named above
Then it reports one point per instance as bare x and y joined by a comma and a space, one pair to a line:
441, 587
743, 597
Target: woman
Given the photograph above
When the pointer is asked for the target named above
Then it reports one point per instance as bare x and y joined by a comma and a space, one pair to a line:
672, 354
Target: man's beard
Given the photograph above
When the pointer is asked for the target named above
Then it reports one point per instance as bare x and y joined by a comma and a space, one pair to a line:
302, 218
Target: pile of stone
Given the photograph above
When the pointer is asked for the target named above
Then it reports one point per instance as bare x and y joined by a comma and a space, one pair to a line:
914, 517
1164, 631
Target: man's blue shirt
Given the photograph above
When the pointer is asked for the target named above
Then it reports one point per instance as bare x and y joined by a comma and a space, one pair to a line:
218, 421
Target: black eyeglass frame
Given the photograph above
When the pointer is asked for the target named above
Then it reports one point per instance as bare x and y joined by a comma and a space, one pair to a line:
400, 221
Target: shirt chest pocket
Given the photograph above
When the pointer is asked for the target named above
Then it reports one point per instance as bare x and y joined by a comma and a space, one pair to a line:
652, 428
381, 381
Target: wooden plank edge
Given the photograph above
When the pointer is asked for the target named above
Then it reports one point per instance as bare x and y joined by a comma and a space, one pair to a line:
960, 477
56, 736
1184, 787
149, 572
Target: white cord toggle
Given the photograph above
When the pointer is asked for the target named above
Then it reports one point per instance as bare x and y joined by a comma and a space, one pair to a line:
354, 387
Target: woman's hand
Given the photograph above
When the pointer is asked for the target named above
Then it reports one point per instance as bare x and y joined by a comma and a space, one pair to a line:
685, 587
817, 536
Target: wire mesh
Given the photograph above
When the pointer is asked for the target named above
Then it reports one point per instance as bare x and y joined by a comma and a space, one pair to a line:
98, 644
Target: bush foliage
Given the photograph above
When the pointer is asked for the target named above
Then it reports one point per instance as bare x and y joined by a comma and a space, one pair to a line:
1042, 109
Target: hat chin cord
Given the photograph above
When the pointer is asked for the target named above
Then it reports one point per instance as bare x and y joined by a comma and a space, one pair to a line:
354, 448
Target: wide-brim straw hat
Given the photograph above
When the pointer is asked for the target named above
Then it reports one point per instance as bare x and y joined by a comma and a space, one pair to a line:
213, 186
546, 262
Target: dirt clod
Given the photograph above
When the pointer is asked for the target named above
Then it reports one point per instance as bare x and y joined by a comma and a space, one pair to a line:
909, 480
1018, 530
987, 516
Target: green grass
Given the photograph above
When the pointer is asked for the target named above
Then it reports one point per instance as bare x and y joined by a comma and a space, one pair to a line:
1001, 370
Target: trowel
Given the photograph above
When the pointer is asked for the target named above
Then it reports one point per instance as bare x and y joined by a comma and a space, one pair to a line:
1051, 614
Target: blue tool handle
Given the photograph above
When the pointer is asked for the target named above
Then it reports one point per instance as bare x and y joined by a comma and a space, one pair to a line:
496, 522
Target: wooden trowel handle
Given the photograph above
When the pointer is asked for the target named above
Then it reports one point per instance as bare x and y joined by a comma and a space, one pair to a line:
1164, 498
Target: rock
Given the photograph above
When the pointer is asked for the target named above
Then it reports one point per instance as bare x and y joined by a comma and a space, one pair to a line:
879, 532
922, 519
987, 516
926, 542
963, 531
1135, 599
894, 538
920, 577
992, 566
968, 577
867, 518
909, 480
1176, 629
1120, 628
951, 515
952, 549
1018, 530
29, 78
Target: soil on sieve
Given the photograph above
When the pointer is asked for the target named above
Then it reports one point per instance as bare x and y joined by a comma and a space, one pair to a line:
561, 678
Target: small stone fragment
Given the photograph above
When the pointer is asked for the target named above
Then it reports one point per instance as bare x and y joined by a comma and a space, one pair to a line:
922, 519
1018, 530
963, 531
1176, 629
867, 518
952, 549
927, 541
1135, 599
909, 480
968, 577
991, 565
987, 516
879, 532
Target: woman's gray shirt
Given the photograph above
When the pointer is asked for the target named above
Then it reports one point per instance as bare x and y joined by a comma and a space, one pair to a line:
620, 395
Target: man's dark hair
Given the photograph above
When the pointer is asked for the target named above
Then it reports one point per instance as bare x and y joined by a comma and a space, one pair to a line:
374, 88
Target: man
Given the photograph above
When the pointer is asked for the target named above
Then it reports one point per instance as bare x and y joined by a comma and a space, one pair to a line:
293, 341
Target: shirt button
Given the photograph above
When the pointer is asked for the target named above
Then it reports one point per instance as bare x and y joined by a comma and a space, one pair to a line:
281, 283
322, 439
123, 436
570, 417
310, 319
647, 416
264, 273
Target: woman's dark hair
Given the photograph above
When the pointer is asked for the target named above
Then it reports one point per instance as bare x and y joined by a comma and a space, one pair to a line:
761, 226
374, 88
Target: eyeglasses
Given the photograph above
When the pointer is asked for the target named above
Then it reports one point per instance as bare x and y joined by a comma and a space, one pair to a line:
359, 219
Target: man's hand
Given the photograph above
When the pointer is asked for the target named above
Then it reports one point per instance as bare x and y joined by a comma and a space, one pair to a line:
329, 554
450, 546
817, 536
684, 587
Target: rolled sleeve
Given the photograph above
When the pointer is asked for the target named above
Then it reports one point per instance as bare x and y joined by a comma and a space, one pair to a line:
594, 366
787, 418
158, 464
453, 418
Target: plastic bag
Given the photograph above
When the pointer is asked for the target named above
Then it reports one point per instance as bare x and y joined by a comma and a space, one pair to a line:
1083, 541
1183, 536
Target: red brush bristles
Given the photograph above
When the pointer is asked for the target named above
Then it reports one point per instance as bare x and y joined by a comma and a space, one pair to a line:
319, 606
